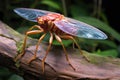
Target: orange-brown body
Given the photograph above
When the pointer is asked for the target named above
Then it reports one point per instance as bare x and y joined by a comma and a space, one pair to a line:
46, 23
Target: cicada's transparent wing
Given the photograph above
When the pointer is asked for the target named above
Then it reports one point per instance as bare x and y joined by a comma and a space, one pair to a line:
30, 14
79, 29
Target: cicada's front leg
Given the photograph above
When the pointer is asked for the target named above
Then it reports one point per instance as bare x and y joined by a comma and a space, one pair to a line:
30, 32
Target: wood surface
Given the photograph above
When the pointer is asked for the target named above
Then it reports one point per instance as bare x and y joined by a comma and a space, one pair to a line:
56, 66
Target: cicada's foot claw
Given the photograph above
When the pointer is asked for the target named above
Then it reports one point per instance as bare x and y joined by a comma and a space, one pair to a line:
72, 66
17, 60
87, 59
18, 57
43, 66
32, 59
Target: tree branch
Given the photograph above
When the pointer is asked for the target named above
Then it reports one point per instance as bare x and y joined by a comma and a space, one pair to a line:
56, 66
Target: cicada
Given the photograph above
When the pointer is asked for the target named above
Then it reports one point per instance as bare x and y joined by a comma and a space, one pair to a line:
59, 27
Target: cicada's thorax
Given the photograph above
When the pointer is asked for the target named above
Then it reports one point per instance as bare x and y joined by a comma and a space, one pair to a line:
46, 22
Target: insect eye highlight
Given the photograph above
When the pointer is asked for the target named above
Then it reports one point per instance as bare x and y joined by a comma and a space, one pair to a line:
40, 20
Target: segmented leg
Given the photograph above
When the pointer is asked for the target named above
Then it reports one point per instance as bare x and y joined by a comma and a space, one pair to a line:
50, 43
35, 53
66, 54
70, 37
35, 26
25, 39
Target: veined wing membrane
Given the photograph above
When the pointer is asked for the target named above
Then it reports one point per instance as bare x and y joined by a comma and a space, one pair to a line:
79, 29
31, 14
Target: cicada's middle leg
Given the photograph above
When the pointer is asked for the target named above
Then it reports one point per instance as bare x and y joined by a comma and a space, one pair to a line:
58, 38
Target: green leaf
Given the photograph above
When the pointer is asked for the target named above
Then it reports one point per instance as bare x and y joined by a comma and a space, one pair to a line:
55, 42
107, 43
23, 29
51, 3
104, 42
83, 11
15, 77
109, 53
101, 25
4, 72
65, 42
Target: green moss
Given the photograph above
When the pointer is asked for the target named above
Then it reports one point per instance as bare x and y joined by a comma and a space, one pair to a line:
19, 46
101, 60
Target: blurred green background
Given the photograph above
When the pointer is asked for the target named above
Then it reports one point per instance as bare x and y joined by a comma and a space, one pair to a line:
99, 13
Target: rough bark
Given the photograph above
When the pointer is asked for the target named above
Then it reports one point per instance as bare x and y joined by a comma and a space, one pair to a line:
56, 66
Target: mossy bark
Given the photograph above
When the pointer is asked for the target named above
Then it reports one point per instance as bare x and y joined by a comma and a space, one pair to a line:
56, 66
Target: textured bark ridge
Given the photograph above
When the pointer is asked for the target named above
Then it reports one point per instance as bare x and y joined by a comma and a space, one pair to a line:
56, 66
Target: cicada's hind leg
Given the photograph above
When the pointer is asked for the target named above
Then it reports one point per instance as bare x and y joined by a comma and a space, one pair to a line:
25, 39
49, 46
70, 37
66, 54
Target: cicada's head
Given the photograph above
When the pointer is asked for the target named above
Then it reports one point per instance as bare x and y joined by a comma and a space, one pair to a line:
49, 18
